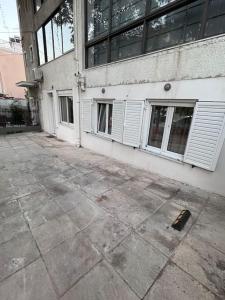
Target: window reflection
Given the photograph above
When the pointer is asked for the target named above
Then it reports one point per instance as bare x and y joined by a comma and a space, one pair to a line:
182, 25
159, 3
124, 11
158, 120
180, 129
97, 54
102, 117
49, 42
216, 18
127, 44
41, 52
97, 17
67, 25
57, 35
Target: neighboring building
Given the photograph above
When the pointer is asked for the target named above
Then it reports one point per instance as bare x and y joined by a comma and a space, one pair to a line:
144, 84
11, 68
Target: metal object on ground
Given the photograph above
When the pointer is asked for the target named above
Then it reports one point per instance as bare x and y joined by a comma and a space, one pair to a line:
181, 220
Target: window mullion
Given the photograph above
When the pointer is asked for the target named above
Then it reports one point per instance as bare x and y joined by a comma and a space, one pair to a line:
166, 134
67, 109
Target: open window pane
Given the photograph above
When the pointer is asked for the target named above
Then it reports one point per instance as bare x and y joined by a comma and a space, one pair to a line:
70, 109
67, 25
127, 44
124, 12
97, 17
63, 109
158, 120
41, 52
49, 43
110, 118
57, 34
180, 129
102, 117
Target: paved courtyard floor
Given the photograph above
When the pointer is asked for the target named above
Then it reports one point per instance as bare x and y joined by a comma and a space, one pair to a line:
75, 225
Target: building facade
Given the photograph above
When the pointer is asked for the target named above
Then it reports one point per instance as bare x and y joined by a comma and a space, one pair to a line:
11, 68
140, 81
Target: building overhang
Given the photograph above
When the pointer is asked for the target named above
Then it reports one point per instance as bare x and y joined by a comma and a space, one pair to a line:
27, 84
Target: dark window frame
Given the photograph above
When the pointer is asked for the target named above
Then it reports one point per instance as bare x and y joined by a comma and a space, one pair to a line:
148, 16
44, 38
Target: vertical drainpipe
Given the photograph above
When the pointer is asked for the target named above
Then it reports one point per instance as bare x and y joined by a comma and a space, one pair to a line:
76, 88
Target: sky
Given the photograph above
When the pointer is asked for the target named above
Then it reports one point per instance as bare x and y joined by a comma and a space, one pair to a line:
9, 25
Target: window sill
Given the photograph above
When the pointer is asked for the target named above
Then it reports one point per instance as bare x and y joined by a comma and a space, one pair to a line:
165, 156
48, 62
106, 137
69, 125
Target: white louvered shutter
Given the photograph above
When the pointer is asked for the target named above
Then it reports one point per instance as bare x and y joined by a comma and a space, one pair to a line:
133, 123
206, 135
86, 115
118, 120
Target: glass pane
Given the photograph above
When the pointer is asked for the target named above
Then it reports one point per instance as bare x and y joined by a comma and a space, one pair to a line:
49, 42
158, 120
124, 12
97, 54
180, 129
57, 34
97, 17
127, 44
67, 25
41, 51
63, 109
110, 119
182, 25
101, 117
159, 3
70, 109
216, 18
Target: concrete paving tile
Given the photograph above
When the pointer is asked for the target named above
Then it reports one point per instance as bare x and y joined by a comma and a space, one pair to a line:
44, 213
204, 263
12, 227
84, 214
190, 200
54, 232
17, 253
130, 210
56, 186
101, 283
71, 200
8, 209
85, 179
216, 204
30, 283
210, 227
138, 263
97, 188
176, 284
34, 201
24, 190
106, 232
163, 189
158, 231
69, 261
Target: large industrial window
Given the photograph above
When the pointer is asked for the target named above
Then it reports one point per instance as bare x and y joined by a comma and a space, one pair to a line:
56, 36
168, 128
118, 29
66, 109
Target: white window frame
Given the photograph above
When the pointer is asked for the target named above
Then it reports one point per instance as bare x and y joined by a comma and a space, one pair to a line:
171, 104
107, 102
67, 110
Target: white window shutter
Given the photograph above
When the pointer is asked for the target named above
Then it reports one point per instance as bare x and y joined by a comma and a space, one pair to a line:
206, 135
133, 123
86, 115
118, 120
